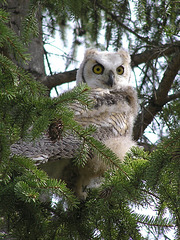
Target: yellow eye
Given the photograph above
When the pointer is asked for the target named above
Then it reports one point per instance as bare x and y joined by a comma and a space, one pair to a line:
120, 70
98, 69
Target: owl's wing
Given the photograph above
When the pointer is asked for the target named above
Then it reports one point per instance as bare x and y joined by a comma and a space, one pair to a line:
52, 156
107, 124
44, 149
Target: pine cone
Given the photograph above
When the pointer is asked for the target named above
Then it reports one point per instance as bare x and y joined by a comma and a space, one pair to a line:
106, 193
55, 130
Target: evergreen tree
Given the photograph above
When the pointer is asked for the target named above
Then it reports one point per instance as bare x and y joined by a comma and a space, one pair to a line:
145, 178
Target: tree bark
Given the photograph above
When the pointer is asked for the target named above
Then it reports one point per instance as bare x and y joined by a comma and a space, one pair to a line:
159, 99
18, 10
59, 78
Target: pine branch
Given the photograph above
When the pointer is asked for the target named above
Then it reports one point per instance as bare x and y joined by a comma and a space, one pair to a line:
59, 188
12, 42
100, 149
79, 93
30, 25
156, 222
4, 16
116, 19
31, 182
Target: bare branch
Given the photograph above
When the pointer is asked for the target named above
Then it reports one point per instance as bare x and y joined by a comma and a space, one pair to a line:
154, 53
159, 99
168, 79
60, 78
65, 77
173, 97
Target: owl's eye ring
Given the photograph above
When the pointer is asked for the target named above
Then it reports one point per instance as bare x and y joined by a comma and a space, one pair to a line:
120, 70
98, 69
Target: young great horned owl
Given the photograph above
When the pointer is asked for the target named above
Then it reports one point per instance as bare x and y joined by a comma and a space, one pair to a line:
113, 114
115, 107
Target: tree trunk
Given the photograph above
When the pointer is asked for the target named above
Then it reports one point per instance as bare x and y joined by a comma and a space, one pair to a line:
18, 10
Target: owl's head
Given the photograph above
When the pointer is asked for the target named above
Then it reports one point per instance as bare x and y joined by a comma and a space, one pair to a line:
107, 70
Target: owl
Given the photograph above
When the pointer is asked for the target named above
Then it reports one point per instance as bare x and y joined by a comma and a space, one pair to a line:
114, 110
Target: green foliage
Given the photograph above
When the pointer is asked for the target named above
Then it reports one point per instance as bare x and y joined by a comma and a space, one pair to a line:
154, 21
162, 15
4, 16
171, 115
155, 223
87, 16
23, 103
111, 214
18, 90
32, 206
30, 25
163, 175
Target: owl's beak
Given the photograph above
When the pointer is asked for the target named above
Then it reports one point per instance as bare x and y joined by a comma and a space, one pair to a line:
111, 79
